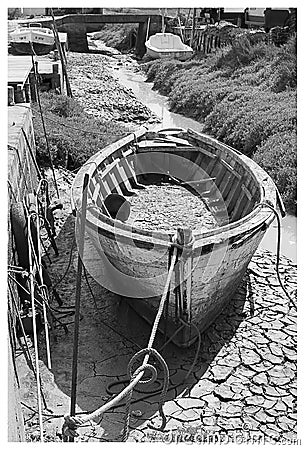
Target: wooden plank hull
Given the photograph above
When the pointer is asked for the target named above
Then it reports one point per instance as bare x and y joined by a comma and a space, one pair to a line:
134, 262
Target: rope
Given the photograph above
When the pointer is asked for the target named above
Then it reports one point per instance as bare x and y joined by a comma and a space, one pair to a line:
136, 377
34, 328
44, 128
68, 266
278, 250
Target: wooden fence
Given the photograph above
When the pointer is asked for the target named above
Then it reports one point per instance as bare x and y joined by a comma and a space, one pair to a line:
204, 40
210, 38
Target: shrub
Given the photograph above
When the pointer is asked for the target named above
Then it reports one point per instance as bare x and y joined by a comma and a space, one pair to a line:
244, 95
278, 156
73, 135
248, 117
285, 67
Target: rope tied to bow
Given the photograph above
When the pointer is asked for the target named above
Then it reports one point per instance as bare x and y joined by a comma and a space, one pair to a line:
71, 423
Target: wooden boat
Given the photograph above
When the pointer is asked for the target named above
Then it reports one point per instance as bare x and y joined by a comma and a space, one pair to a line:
133, 262
167, 45
34, 38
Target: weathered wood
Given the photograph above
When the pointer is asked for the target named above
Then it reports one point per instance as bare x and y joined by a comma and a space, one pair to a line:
19, 94
238, 180
10, 96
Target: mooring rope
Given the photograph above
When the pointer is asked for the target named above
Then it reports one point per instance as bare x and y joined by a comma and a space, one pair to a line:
71, 423
278, 250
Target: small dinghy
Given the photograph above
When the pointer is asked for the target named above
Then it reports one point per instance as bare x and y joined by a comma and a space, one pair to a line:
129, 247
32, 39
167, 45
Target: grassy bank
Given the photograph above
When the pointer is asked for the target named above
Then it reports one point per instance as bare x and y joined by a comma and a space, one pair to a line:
73, 135
244, 95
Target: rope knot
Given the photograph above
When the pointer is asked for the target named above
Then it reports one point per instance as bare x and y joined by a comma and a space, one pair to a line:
143, 367
70, 426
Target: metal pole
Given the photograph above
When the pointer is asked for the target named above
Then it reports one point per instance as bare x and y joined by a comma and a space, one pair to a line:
77, 294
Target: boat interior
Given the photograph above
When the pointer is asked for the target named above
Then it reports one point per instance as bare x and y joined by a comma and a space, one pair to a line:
214, 172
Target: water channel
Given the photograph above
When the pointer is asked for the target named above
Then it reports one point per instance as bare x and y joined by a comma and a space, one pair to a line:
135, 81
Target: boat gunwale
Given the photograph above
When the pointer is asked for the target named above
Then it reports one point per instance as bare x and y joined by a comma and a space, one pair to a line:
258, 215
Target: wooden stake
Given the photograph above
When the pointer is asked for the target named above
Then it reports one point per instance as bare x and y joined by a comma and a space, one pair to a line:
193, 26
77, 294
62, 55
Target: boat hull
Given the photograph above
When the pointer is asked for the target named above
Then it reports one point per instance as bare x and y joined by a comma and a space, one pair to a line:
33, 39
27, 48
167, 45
134, 263
157, 54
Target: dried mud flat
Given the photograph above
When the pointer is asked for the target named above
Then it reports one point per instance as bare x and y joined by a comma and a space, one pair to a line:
243, 385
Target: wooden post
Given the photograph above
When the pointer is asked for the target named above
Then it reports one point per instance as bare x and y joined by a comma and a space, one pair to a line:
78, 293
140, 42
33, 87
10, 96
27, 92
193, 26
62, 55
19, 94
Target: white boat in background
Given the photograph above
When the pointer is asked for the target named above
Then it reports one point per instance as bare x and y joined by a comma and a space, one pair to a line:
34, 38
167, 45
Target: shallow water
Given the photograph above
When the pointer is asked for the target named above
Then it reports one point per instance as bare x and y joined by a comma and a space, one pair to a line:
135, 81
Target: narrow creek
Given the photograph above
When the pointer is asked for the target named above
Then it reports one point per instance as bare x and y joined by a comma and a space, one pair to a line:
125, 73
